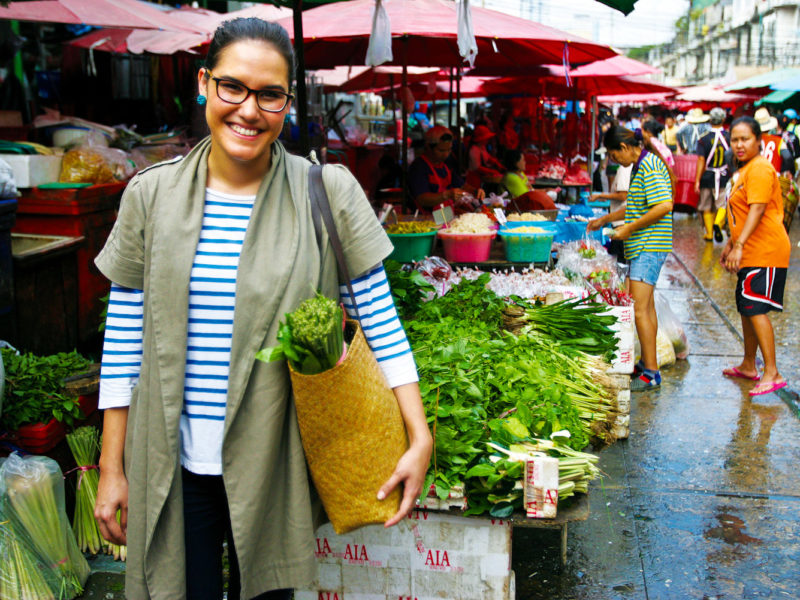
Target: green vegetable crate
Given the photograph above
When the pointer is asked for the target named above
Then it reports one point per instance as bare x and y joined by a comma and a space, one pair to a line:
527, 247
410, 247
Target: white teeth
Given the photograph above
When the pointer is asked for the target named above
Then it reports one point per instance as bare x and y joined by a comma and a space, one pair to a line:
243, 131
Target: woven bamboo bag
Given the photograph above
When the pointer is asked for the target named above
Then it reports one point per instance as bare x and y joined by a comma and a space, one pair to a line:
353, 435
350, 423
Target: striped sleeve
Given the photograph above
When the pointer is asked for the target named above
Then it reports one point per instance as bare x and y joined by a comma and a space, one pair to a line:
381, 325
656, 181
122, 347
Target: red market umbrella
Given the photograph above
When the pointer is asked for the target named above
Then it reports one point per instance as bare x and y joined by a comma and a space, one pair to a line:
616, 65
138, 41
385, 77
424, 33
126, 14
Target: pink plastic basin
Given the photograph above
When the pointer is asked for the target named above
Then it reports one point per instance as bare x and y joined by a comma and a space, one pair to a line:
466, 247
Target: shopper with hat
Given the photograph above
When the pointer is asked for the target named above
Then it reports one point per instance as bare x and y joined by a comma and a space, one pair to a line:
772, 146
431, 180
695, 125
483, 167
713, 171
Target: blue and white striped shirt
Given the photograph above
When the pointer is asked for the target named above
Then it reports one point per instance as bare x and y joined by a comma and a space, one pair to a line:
212, 293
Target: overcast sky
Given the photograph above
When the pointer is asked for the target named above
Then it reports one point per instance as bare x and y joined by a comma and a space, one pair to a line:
652, 21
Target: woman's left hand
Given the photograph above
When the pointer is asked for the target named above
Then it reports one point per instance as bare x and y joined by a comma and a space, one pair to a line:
410, 471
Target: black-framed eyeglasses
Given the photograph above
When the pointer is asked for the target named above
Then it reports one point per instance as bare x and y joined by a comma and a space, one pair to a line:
234, 92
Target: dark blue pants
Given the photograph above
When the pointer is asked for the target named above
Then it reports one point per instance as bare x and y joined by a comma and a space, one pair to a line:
207, 524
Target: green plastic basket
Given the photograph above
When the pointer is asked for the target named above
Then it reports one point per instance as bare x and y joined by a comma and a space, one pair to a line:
410, 247
527, 247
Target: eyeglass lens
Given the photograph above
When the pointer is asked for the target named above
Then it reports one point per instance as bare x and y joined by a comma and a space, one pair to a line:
235, 93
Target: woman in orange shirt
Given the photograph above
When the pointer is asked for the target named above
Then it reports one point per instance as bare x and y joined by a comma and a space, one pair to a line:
757, 251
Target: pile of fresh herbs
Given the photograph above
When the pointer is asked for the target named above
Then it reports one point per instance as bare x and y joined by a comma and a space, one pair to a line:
409, 288
34, 391
477, 380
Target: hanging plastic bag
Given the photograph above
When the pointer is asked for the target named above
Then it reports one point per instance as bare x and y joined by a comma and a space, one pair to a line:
669, 323
379, 50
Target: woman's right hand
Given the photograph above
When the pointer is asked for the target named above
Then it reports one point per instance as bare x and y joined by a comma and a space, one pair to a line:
112, 496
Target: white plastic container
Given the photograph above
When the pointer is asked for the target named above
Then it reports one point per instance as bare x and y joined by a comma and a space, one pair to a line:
31, 170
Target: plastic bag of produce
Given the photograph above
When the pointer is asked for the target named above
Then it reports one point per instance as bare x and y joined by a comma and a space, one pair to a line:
665, 352
22, 574
32, 497
669, 323
94, 162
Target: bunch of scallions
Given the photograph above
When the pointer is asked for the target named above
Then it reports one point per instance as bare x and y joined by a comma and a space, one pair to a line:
32, 493
84, 443
312, 338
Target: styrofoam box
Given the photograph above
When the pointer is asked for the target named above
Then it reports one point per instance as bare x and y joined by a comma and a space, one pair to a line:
624, 356
623, 382
428, 555
33, 170
624, 402
621, 429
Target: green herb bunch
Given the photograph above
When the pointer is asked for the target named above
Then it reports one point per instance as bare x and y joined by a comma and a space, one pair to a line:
409, 288
311, 339
34, 391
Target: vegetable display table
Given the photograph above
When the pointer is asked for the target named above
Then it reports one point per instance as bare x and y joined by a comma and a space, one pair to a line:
432, 554
45, 319
577, 511
87, 212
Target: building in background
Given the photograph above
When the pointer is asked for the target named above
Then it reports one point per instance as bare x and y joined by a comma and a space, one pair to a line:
722, 41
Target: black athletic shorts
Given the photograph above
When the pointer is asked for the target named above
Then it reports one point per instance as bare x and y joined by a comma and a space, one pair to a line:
759, 290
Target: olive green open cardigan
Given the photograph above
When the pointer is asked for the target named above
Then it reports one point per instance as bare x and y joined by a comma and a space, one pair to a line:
273, 508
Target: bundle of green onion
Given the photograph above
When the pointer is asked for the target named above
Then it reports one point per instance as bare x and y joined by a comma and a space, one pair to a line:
22, 575
32, 490
312, 339
85, 446
115, 550
576, 324
575, 469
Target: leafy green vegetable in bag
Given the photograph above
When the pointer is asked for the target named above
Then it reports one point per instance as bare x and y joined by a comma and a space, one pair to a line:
311, 339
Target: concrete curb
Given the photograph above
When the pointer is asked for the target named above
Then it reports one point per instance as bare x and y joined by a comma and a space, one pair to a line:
788, 395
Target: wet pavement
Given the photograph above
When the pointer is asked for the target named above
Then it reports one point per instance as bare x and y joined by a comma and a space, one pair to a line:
703, 500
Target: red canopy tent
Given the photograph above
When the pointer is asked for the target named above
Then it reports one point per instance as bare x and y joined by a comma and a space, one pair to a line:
424, 33
126, 14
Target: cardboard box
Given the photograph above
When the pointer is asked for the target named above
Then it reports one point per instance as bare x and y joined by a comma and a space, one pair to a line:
429, 555
33, 170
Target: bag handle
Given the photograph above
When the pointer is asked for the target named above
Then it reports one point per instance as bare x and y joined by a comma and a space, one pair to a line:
321, 208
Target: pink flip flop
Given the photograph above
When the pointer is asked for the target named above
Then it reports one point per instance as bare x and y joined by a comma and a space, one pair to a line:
735, 372
767, 388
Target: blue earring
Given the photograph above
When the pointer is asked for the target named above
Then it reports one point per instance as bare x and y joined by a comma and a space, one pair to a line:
201, 100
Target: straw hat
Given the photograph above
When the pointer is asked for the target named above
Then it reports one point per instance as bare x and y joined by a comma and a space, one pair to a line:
765, 120
696, 115
481, 134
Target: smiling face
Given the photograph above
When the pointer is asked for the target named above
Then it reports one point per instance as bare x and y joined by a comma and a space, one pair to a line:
242, 134
744, 143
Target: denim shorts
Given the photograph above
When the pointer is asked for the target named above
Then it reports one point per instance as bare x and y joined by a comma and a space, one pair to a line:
647, 266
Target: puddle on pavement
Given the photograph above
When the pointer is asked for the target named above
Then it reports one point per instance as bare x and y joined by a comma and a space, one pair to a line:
731, 530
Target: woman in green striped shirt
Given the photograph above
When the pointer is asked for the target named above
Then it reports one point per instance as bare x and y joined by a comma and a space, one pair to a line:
647, 234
